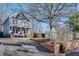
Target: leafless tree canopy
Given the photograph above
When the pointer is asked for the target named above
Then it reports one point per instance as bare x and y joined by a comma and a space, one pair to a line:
49, 13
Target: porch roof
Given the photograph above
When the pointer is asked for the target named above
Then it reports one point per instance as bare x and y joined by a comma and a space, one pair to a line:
20, 27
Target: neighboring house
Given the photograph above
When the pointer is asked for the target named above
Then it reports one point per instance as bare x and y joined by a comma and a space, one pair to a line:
51, 34
60, 34
17, 25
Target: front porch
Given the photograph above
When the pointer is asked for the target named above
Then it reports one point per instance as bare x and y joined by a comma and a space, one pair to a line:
19, 32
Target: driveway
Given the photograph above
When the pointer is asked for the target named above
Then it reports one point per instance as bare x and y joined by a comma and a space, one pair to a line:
22, 47
74, 52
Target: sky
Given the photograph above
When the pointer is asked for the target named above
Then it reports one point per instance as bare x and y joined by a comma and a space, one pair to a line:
12, 8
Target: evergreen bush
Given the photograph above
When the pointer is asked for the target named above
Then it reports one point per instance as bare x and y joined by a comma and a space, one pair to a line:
62, 48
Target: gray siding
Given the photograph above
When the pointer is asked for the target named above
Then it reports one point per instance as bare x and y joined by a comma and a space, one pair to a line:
6, 27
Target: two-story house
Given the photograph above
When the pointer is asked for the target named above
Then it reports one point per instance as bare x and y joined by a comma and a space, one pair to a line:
17, 25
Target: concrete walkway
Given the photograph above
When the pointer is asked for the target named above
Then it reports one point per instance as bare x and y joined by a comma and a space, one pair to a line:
22, 47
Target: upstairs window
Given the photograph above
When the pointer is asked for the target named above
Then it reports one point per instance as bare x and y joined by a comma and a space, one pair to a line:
16, 21
13, 21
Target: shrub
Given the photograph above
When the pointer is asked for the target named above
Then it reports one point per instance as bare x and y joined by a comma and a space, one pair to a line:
35, 35
9, 36
43, 35
1, 34
62, 48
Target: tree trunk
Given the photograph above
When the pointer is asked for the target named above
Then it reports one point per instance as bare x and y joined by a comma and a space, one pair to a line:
50, 36
74, 35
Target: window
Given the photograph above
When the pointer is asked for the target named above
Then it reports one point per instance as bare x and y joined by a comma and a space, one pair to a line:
13, 30
16, 30
13, 21
24, 31
27, 31
10, 28
16, 21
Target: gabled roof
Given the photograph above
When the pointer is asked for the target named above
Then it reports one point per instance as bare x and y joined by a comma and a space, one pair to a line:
5, 21
19, 15
16, 15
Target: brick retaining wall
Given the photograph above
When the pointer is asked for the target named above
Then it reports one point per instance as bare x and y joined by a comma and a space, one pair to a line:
53, 46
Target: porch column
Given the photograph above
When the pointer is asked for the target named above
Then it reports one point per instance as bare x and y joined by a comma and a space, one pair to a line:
20, 30
14, 30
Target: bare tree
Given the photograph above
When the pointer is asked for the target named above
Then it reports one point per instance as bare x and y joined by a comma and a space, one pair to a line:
49, 13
